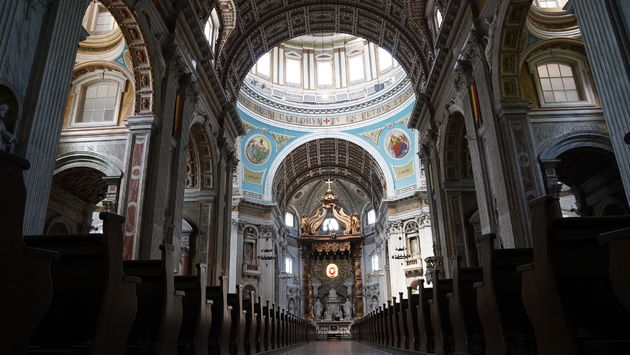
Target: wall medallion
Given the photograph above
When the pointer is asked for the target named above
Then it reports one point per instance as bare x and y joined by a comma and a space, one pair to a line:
258, 149
397, 144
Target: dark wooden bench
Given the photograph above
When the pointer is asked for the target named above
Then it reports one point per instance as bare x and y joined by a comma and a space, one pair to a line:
618, 243
412, 319
197, 313
440, 320
251, 323
159, 316
462, 306
566, 290
506, 327
268, 318
27, 284
403, 332
237, 330
219, 340
425, 327
393, 317
261, 323
94, 302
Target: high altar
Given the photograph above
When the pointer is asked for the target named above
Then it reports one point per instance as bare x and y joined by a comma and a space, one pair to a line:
331, 244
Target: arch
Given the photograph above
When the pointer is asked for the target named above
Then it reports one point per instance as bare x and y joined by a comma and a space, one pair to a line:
263, 25
133, 33
582, 139
199, 161
506, 46
290, 147
227, 11
454, 152
87, 159
327, 157
59, 225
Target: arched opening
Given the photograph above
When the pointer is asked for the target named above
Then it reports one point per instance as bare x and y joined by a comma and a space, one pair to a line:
459, 194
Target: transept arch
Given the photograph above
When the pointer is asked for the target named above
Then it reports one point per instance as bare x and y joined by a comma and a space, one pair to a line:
386, 179
263, 25
141, 55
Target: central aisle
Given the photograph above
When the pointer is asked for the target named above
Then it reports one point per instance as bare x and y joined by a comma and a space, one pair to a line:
334, 347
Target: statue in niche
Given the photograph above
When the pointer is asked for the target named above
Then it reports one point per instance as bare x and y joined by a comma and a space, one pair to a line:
355, 224
318, 309
7, 139
347, 309
305, 225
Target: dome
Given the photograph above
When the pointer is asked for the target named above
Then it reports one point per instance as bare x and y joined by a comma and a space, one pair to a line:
325, 80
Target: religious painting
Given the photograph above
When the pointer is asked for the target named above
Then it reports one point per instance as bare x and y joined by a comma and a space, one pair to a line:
258, 149
332, 271
397, 144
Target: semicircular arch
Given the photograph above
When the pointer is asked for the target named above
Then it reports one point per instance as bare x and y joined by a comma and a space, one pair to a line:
388, 187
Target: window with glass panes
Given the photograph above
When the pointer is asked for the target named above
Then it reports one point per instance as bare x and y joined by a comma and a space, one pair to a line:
374, 262
104, 21
99, 102
355, 67
557, 82
293, 71
324, 73
288, 265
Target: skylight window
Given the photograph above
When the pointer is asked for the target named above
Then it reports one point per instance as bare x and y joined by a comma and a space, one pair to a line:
385, 60
293, 71
330, 225
371, 217
263, 67
324, 73
355, 70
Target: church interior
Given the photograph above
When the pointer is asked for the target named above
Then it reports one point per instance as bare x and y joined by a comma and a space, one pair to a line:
202, 177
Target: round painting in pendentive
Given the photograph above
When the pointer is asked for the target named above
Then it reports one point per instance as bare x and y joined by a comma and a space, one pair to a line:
258, 149
397, 144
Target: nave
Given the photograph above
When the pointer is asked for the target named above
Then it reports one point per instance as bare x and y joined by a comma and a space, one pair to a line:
336, 347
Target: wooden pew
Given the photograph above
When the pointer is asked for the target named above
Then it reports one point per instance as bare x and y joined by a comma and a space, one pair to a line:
505, 324
402, 322
273, 328
566, 290
425, 327
197, 313
440, 320
412, 320
221, 318
462, 306
159, 315
618, 243
382, 325
27, 284
251, 323
268, 344
261, 322
237, 331
396, 322
94, 302
389, 315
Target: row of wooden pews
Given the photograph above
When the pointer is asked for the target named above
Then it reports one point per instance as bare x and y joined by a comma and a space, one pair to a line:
74, 294
570, 294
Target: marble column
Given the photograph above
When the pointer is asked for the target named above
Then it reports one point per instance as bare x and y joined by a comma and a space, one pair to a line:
8, 9
607, 48
308, 286
45, 104
358, 281
140, 132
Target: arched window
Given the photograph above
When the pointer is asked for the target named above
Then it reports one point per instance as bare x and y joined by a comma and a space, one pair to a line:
561, 79
211, 30
438, 18
288, 265
98, 20
375, 265
330, 225
263, 66
97, 98
371, 217
288, 219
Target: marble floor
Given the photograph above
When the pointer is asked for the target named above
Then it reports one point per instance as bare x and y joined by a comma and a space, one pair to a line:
335, 347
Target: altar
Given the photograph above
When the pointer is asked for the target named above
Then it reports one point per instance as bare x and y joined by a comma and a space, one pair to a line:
331, 244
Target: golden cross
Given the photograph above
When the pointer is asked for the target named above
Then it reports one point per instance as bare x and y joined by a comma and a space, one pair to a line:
329, 182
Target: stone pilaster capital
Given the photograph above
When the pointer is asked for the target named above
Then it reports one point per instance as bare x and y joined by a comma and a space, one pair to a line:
141, 124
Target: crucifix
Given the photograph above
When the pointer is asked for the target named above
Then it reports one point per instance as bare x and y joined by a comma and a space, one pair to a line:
329, 182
